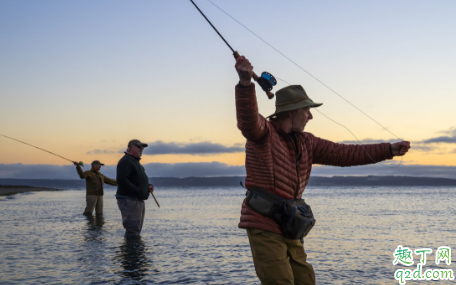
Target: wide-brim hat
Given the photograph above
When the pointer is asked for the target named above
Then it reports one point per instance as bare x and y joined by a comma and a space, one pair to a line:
292, 97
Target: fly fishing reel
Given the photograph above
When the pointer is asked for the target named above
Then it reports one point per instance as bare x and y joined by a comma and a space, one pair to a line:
266, 81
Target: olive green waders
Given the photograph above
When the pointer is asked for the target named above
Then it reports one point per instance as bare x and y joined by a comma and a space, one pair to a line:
279, 260
94, 202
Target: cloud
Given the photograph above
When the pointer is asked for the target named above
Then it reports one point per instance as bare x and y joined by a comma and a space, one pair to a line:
199, 148
371, 141
382, 170
211, 169
201, 169
100, 151
425, 148
441, 139
38, 171
449, 138
430, 145
451, 132
190, 169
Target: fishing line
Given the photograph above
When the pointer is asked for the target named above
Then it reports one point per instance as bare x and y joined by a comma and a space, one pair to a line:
345, 128
266, 81
41, 149
289, 59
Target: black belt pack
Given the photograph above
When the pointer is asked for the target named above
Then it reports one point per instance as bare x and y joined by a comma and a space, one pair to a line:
294, 216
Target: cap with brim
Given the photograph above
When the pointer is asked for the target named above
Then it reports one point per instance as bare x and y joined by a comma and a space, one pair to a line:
292, 97
137, 143
96, 162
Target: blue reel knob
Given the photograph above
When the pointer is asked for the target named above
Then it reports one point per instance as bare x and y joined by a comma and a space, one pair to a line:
266, 81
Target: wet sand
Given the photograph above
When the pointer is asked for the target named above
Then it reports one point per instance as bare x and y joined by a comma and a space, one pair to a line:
14, 189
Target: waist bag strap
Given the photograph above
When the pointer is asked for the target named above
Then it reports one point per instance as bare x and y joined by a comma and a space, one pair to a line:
294, 216
263, 202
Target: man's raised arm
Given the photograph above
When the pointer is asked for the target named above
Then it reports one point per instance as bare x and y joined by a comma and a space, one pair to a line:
252, 125
81, 173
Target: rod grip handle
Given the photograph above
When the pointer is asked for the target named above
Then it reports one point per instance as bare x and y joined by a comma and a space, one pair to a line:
255, 77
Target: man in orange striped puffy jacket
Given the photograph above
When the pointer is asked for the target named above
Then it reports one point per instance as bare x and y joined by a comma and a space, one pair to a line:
279, 158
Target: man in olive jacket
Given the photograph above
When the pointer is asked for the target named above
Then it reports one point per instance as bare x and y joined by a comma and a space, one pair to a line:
94, 186
133, 189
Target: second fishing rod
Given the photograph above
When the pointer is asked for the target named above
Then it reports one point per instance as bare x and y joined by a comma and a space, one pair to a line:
266, 80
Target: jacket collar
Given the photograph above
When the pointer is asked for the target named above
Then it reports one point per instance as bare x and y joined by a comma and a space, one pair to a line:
279, 130
296, 145
134, 157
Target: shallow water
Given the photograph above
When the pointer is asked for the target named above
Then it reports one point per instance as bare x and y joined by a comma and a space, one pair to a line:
194, 239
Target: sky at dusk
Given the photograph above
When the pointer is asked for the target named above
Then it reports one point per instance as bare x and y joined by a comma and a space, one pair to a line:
82, 78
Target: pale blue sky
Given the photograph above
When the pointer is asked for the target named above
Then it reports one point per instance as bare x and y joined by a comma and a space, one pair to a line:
75, 74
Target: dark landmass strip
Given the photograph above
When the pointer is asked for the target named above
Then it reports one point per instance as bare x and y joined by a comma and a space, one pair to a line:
6, 190
15, 186
234, 181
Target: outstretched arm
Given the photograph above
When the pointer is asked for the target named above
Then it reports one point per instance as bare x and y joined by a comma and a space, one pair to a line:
110, 181
329, 153
252, 125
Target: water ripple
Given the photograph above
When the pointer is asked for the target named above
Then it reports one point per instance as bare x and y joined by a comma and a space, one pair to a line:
193, 238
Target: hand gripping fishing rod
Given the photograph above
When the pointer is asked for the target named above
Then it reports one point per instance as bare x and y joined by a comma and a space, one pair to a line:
266, 81
80, 163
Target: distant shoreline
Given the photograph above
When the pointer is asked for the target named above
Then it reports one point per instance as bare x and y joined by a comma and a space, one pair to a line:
6, 190
234, 181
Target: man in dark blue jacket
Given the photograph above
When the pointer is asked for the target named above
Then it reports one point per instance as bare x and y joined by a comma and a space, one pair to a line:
133, 188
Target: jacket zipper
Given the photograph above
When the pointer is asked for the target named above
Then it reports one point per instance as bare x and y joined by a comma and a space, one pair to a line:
297, 165
297, 173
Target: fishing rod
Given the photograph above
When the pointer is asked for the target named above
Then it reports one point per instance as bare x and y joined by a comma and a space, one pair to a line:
154, 198
80, 163
300, 67
318, 80
266, 80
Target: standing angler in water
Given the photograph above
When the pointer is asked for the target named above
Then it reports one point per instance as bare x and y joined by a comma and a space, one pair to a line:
94, 185
133, 189
279, 158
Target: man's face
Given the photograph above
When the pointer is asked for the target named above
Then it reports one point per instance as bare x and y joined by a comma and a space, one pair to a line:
136, 151
300, 119
96, 166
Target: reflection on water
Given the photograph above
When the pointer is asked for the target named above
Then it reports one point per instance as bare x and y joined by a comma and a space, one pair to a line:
193, 238
134, 260
91, 249
94, 228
